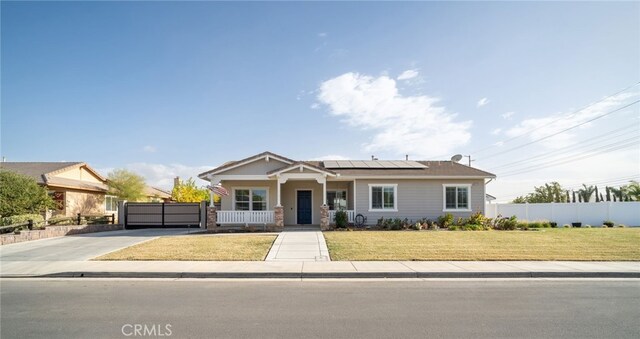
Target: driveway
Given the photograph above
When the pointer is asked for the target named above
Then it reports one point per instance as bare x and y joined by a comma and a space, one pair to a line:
80, 247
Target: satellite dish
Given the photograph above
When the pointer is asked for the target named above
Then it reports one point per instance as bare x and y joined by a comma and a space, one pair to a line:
456, 158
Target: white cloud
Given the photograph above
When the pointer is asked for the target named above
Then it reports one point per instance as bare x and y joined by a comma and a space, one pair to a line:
408, 74
547, 125
161, 175
496, 131
322, 35
149, 149
400, 124
483, 102
330, 157
508, 115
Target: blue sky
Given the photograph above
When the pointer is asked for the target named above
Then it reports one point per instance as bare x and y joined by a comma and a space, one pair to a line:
168, 88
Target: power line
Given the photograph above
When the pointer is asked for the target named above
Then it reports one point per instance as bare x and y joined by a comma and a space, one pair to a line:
575, 146
628, 145
552, 122
562, 131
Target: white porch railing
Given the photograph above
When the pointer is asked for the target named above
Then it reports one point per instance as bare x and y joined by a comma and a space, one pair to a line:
351, 215
245, 217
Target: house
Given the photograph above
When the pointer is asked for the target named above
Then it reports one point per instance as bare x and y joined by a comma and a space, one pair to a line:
273, 190
74, 186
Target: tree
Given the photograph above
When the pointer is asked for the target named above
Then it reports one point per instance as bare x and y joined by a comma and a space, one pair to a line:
20, 194
189, 192
126, 185
633, 190
586, 192
549, 192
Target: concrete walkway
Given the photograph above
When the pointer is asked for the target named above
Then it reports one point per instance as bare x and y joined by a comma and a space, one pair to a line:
326, 269
301, 244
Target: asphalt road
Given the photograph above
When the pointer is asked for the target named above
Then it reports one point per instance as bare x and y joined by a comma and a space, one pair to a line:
32, 308
81, 246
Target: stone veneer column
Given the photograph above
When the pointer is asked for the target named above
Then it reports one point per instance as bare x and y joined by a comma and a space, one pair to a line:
324, 217
278, 217
212, 219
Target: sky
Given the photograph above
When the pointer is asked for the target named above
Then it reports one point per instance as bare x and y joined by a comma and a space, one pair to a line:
176, 88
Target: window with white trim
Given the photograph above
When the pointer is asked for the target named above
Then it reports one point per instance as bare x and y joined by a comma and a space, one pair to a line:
337, 200
250, 199
383, 197
110, 203
456, 197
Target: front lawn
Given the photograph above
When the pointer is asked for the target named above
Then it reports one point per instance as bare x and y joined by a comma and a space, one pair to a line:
548, 244
198, 247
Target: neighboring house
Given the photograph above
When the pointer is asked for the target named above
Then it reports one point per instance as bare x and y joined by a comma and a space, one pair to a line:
74, 186
155, 194
271, 189
489, 198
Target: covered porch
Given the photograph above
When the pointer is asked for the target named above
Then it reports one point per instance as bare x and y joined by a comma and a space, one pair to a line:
296, 195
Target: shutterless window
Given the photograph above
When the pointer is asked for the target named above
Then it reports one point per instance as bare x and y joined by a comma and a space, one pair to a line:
110, 203
337, 200
457, 197
383, 197
251, 199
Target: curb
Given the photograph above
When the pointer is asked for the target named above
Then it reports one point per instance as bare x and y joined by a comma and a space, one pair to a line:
331, 275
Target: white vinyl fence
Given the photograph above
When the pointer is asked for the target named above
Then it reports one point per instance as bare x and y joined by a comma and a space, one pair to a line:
588, 213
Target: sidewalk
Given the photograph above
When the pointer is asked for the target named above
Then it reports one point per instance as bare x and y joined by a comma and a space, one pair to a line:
321, 269
299, 244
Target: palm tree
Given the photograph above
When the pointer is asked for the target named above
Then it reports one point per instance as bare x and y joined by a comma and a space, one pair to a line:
633, 190
586, 192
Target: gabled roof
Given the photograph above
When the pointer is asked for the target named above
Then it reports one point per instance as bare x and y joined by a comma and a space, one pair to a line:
233, 164
303, 164
431, 169
151, 191
45, 174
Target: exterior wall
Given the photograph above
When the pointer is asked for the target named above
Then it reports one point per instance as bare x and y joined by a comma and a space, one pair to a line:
83, 202
226, 203
418, 198
258, 167
289, 203
79, 173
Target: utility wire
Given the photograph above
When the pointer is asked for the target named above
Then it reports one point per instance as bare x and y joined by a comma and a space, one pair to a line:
573, 147
562, 131
574, 186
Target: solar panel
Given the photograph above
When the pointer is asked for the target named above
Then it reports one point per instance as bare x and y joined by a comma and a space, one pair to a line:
372, 164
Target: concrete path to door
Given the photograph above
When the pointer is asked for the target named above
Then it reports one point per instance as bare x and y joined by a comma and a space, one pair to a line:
303, 243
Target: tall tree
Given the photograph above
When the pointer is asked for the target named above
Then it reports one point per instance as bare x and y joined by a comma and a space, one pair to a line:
549, 192
189, 192
586, 192
20, 194
633, 190
126, 185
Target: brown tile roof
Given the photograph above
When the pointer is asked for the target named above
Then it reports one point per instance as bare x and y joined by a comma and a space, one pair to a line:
44, 174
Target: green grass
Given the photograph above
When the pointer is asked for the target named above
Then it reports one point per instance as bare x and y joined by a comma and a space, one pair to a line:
198, 247
548, 244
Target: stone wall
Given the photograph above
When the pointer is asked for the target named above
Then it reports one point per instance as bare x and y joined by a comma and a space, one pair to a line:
55, 231
212, 219
324, 217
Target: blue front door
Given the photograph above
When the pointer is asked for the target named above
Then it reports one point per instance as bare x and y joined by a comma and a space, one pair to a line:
304, 207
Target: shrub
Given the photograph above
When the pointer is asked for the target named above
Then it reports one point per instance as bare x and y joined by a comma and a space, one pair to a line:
454, 228
22, 218
417, 226
566, 226
477, 219
472, 227
445, 220
608, 223
587, 226
576, 224
622, 225
553, 224
342, 219
505, 224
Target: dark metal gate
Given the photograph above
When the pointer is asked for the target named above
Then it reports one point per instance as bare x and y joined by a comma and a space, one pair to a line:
158, 215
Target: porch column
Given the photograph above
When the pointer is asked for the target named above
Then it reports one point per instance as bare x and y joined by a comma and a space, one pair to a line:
324, 192
280, 181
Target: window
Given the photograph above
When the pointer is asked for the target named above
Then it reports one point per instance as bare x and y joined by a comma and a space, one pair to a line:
456, 197
337, 200
250, 199
383, 197
110, 203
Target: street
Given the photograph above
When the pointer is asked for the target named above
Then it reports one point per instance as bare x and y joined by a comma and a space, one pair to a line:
516, 308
